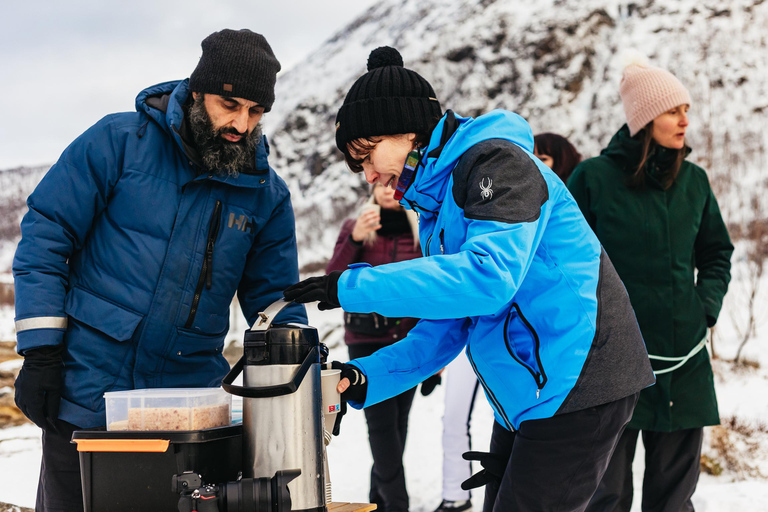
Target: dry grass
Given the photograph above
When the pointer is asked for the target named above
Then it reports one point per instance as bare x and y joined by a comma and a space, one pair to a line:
737, 448
7, 507
10, 415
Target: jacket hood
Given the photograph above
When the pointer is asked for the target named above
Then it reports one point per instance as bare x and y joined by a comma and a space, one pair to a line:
164, 102
450, 139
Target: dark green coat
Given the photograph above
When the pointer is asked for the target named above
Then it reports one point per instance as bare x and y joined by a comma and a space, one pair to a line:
657, 239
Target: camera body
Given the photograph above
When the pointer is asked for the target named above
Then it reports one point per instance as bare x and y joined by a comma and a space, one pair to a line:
194, 495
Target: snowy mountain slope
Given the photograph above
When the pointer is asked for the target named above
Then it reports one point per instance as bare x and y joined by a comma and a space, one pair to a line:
15, 186
556, 62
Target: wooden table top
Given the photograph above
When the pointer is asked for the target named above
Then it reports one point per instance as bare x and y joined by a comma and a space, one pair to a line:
350, 507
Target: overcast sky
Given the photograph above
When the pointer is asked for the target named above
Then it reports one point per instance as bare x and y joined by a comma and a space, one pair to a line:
64, 64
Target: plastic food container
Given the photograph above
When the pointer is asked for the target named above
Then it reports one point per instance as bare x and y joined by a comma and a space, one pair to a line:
168, 409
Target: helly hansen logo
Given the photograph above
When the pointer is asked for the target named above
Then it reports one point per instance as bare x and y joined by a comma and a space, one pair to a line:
241, 223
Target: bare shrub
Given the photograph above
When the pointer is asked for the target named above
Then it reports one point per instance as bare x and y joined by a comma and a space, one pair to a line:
736, 446
6, 294
755, 233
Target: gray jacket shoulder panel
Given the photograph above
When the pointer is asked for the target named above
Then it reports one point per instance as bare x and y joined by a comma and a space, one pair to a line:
496, 180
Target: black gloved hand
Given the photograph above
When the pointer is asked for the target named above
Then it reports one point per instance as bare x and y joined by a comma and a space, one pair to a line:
323, 289
39, 384
429, 385
494, 467
356, 391
358, 382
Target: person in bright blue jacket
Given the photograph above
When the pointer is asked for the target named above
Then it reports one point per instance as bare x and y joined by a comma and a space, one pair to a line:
512, 275
135, 243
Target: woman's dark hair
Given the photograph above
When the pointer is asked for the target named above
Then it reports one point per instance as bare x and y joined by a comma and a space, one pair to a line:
564, 155
649, 146
365, 145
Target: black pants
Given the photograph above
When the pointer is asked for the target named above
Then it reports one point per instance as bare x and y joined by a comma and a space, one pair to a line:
59, 488
555, 464
672, 462
387, 430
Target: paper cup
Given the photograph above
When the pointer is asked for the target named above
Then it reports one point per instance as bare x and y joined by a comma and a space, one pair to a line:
370, 207
329, 379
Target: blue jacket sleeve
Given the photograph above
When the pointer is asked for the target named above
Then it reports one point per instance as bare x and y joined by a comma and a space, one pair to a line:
61, 213
272, 266
478, 280
502, 235
429, 346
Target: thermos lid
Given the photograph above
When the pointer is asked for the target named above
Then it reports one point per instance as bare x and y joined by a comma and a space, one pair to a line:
280, 344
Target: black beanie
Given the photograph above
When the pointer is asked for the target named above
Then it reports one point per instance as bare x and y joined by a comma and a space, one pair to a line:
237, 63
388, 100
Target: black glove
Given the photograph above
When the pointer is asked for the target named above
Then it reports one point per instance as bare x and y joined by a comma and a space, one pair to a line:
494, 467
324, 289
429, 385
358, 391
358, 387
38, 386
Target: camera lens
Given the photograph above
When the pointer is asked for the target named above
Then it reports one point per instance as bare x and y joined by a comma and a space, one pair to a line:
251, 494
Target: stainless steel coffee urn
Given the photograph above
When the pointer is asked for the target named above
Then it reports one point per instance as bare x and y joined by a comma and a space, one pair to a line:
282, 412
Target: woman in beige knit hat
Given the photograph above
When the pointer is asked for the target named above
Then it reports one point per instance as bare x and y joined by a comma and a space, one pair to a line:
658, 220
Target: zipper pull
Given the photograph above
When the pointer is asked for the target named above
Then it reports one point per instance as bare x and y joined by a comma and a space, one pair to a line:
209, 269
442, 241
539, 385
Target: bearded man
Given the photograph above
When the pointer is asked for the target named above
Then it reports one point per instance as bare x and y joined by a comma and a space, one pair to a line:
135, 243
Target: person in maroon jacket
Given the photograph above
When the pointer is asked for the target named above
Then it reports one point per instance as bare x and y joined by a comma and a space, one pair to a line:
383, 232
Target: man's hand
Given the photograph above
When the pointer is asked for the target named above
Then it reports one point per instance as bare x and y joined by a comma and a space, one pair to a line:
323, 289
38, 386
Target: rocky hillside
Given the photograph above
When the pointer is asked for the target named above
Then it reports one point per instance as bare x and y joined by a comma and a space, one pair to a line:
558, 65
556, 62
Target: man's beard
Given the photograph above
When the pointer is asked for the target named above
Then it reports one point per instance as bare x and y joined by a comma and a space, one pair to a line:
220, 156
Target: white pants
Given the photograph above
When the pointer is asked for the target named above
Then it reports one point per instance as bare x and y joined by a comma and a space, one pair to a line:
461, 392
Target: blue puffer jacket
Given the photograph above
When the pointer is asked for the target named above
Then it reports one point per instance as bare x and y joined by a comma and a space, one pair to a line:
131, 260
512, 273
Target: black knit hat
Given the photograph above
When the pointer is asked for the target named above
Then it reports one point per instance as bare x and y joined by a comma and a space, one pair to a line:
388, 100
237, 63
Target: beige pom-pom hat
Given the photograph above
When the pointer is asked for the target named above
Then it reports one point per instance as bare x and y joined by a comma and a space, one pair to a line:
647, 92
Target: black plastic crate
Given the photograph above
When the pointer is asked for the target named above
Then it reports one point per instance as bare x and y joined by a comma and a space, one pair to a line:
131, 472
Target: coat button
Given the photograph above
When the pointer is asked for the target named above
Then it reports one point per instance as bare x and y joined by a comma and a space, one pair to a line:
178, 353
262, 182
671, 403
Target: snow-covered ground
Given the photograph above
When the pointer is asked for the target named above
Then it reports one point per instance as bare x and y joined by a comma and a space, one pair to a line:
741, 393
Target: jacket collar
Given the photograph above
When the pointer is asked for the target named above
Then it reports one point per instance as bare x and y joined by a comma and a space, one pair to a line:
626, 151
450, 139
164, 104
